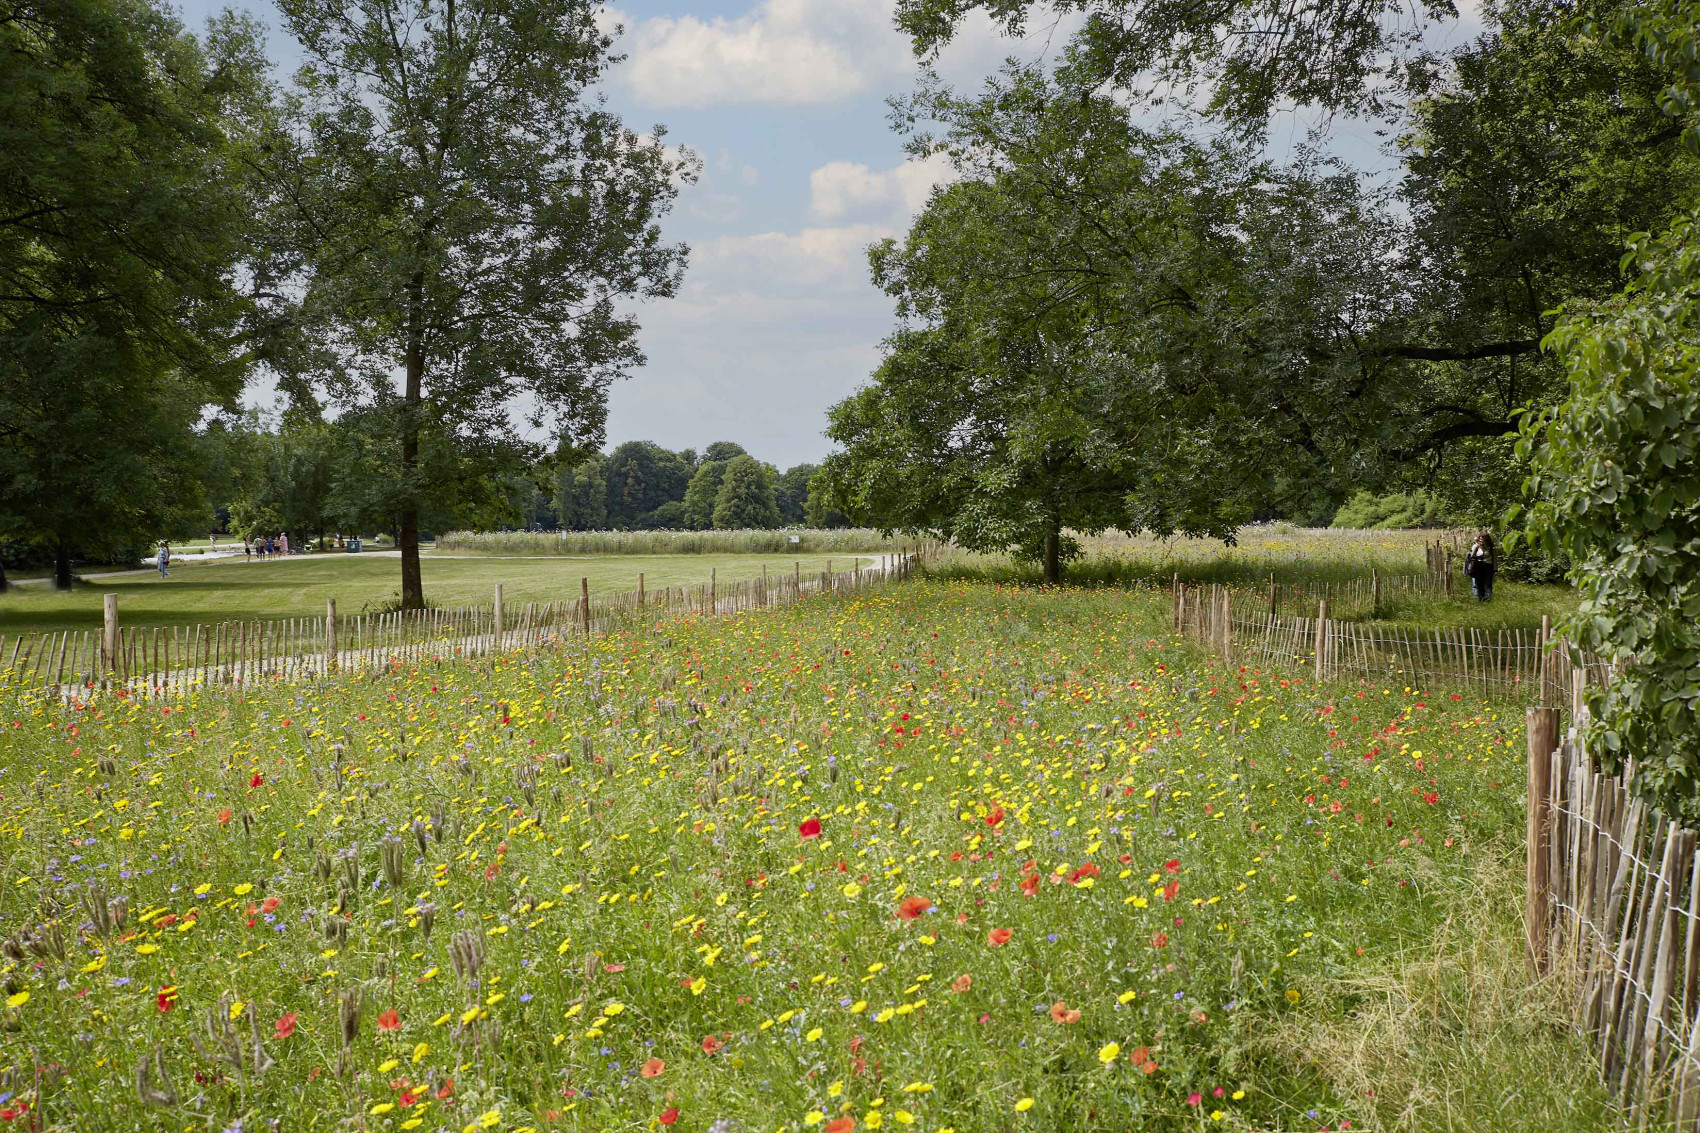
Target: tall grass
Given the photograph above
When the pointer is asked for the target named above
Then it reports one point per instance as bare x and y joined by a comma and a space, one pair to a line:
746, 542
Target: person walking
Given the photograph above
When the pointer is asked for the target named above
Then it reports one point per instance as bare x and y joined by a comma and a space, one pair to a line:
163, 559
1479, 567
283, 544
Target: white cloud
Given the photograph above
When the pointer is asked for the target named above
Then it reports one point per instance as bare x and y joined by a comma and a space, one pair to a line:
845, 188
795, 52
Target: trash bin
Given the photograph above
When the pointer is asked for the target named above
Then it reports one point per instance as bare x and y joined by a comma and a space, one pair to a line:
352, 546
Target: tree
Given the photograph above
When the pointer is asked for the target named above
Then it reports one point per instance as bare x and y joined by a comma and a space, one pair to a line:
1251, 55
642, 476
818, 508
1616, 472
722, 451
471, 223
1107, 326
121, 230
791, 493
581, 495
700, 497
746, 496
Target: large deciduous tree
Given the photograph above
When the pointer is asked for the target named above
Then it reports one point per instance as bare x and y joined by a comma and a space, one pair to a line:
473, 219
122, 215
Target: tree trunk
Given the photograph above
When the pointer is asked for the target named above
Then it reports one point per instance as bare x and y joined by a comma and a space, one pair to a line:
412, 587
1053, 552
62, 566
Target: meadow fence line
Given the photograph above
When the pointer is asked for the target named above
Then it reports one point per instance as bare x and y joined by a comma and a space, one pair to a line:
1612, 902
1513, 665
1613, 907
174, 661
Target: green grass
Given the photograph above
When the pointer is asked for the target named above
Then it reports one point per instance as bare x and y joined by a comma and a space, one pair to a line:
1515, 605
1143, 888
298, 586
812, 540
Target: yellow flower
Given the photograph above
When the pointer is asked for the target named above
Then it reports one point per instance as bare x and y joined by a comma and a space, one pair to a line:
904, 1117
381, 1107
490, 1119
387, 1065
243, 890
1108, 1052
918, 1088
202, 890
614, 1008
1292, 995
420, 1051
18, 1000
1238, 1094
813, 1117
1023, 1105
873, 1119
813, 1035
468, 1015
146, 949
699, 985
1217, 1115
1126, 997
852, 889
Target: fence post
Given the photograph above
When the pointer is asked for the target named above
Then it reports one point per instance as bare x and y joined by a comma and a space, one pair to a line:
1321, 636
1177, 593
1546, 641
1450, 584
584, 605
797, 575
1542, 728
1227, 631
1274, 595
498, 618
1374, 593
109, 633
1578, 699
640, 589
712, 606
330, 636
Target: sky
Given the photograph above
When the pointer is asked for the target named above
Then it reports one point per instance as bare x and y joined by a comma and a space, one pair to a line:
785, 101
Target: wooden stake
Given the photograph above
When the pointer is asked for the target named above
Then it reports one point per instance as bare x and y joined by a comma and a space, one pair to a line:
1321, 636
109, 633
1541, 727
640, 590
584, 605
330, 635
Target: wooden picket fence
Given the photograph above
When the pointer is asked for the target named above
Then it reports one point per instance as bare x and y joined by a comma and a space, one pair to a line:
175, 661
1613, 907
1515, 665
1613, 888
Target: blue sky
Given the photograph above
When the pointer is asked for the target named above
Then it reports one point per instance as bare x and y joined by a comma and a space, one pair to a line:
785, 101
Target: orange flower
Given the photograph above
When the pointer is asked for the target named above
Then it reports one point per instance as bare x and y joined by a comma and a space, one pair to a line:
841, 1124
285, 1025
710, 1044
224, 817
653, 1068
1063, 1013
995, 817
1159, 940
1170, 890
961, 983
998, 937
1030, 885
390, 1020
912, 907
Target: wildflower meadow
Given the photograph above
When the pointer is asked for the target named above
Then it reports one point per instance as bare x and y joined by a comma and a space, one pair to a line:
939, 855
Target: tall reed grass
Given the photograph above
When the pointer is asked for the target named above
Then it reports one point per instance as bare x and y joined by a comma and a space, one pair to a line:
748, 542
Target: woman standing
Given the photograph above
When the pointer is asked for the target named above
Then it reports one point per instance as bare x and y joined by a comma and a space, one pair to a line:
1479, 567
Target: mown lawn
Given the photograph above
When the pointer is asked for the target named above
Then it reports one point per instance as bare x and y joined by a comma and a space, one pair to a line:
938, 856
299, 585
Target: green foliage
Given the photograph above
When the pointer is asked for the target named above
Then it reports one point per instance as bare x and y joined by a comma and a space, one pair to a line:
746, 496
1616, 488
122, 214
700, 496
1394, 511
722, 451
581, 495
642, 476
818, 508
791, 493
666, 542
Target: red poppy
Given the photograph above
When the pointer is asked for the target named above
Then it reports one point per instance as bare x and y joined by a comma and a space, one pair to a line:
1030, 885
998, 937
1194, 1099
285, 1025
270, 904
1159, 940
670, 1115
653, 1068
809, 828
1063, 1013
912, 907
613, 967
256, 780
995, 817
1173, 865
961, 983
167, 999
447, 1088
710, 1044
390, 1020
1170, 890
224, 817
841, 1124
